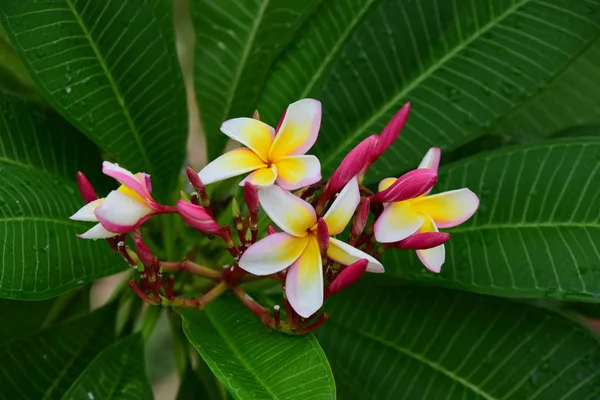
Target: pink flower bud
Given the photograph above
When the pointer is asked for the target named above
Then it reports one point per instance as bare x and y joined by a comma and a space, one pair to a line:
256, 115
251, 197
349, 276
322, 235
143, 252
423, 241
197, 217
356, 162
390, 132
271, 230
360, 218
194, 179
408, 186
85, 188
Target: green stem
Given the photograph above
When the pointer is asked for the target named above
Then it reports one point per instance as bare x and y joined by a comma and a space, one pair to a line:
147, 321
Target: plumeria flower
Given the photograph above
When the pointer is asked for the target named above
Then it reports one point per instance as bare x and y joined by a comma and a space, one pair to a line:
123, 209
422, 214
297, 247
273, 156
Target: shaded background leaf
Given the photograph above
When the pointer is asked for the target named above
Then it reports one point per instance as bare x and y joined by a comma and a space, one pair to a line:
110, 68
537, 229
254, 363
427, 343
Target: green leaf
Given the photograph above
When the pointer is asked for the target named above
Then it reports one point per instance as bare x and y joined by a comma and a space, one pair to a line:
536, 232
419, 343
236, 43
41, 255
254, 363
192, 387
462, 64
570, 100
45, 363
23, 317
13, 76
110, 68
118, 372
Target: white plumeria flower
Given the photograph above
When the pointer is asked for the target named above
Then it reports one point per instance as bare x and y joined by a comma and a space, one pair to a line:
273, 156
123, 209
423, 214
297, 246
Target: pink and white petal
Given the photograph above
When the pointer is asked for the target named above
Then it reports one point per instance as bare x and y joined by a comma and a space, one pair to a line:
272, 254
397, 221
290, 213
97, 232
342, 209
299, 129
345, 254
262, 177
125, 177
230, 164
86, 213
431, 159
304, 281
433, 258
385, 183
120, 213
448, 209
294, 172
252, 133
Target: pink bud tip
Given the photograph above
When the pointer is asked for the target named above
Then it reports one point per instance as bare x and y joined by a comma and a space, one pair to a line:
322, 235
143, 252
251, 197
256, 115
194, 179
197, 217
85, 188
390, 132
280, 121
361, 217
349, 276
355, 162
271, 230
408, 186
423, 241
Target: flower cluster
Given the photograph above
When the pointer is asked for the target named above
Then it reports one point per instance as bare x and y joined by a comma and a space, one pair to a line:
304, 251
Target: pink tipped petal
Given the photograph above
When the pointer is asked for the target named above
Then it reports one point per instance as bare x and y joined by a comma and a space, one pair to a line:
345, 254
272, 254
85, 188
304, 281
390, 132
125, 177
448, 209
410, 185
397, 221
252, 133
299, 129
230, 164
432, 159
349, 276
425, 240
290, 213
86, 213
198, 218
355, 162
433, 258
294, 172
262, 177
97, 232
120, 213
385, 183
342, 209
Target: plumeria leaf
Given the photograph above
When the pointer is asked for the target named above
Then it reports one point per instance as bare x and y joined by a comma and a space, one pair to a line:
236, 43
253, 362
192, 387
45, 363
424, 343
14, 78
463, 65
536, 232
118, 372
112, 71
40, 154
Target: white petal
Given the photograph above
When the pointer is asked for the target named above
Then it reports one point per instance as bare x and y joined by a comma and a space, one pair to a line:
86, 213
97, 232
345, 254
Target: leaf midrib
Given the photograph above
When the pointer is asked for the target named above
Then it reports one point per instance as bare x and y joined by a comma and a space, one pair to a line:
530, 225
333, 153
41, 219
113, 85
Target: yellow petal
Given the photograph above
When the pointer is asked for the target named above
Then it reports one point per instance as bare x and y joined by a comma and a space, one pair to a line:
294, 172
448, 209
292, 214
342, 209
304, 280
345, 254
262, 177
272, 254
233, 163
252, 133
398, 221
432, 258
385, 183
299, 129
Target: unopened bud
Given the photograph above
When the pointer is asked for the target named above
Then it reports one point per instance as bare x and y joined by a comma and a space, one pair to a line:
197, 217
271, 229
390, 132
235, 209
195, 180
251, 197
360, 218
85, 188
256, 115
143, 252
322, 236
410, 185
423, 241
349, 276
